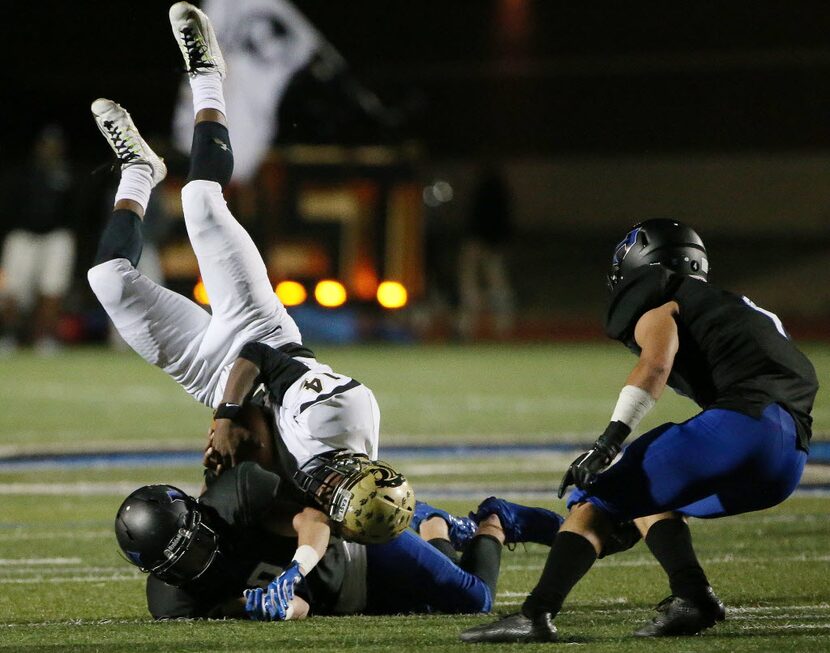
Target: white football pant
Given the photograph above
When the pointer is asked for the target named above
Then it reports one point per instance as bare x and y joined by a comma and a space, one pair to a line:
198, 349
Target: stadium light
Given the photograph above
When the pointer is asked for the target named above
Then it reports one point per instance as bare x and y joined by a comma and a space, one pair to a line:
291, 293
392, 294
200, 293
330, 293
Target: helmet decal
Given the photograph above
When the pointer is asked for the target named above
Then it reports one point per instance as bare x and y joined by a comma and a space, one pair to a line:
387, 477
624, 245
135, 558
175, 495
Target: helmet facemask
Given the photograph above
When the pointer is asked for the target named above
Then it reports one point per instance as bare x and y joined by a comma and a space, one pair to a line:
189, 554
367, 500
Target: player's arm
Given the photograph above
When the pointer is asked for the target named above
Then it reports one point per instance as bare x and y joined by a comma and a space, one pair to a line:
656, 335
277, 602
257, 363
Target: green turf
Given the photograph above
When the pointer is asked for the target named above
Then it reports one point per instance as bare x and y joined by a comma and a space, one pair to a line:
63, 587
496, 393
70, 588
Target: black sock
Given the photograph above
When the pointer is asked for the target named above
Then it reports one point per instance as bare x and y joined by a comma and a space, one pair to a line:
445, 547
570, 558
482, 558
211, 156
122, 238
670, 541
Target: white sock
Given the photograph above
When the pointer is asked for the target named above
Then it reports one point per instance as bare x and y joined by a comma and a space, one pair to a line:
207, 92
136, 184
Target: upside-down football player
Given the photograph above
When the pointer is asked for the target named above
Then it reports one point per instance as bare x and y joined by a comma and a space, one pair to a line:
745, 451
245, 359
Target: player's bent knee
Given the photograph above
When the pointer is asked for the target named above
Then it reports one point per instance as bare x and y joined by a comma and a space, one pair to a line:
107, 280
200, 200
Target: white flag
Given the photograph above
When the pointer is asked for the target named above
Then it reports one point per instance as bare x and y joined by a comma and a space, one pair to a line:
264, 43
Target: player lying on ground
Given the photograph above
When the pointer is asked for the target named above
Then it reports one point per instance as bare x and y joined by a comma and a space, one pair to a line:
248, 341
242, 533
745, 451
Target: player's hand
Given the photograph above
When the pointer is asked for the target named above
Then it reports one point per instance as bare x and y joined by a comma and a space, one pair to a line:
281, 589
587, 466
228, 442
274, 602
255, 604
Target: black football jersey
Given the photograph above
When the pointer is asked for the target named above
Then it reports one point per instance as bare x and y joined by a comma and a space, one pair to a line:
238, 505
732, 353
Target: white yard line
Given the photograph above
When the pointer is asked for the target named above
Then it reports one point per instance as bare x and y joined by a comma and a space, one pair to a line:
743, 612
20, 534
427, 491
726, 559
30, 562
102, 488
69, 579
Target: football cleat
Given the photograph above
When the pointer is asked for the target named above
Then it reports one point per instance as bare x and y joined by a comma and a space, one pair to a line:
462, 529
197, 40
513, 629
520, 523
679, 616
120, 131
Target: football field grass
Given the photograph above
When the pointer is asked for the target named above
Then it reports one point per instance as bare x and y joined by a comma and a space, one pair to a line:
63, 586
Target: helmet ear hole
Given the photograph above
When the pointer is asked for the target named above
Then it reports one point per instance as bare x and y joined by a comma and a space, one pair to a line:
695, 266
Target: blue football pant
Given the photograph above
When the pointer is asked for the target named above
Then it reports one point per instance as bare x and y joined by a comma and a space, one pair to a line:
410, 575
718, 463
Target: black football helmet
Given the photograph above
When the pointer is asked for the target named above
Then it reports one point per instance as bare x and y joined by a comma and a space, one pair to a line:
667, 242
162, 531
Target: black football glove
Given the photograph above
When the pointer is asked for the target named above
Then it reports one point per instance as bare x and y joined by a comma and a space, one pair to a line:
587, 466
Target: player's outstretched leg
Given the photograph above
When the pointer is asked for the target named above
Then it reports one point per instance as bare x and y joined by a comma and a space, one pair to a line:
232, 269
159, 324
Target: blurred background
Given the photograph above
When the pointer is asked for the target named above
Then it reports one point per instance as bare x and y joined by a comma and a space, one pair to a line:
481, 156
437, 187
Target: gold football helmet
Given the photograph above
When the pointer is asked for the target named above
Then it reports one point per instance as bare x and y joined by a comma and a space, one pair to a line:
368, 501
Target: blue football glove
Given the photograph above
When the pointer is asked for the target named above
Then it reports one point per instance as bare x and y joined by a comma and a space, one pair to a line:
281, 590
271, 604
255, 605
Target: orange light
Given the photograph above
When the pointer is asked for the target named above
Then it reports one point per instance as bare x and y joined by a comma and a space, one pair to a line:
392, 294
200, 293
330, 293
291, 293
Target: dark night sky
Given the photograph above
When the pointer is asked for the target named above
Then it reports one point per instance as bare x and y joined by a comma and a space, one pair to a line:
476, 76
